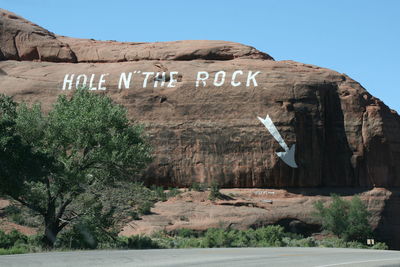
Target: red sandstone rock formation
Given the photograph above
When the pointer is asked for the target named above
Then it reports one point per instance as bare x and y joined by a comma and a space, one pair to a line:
343, 135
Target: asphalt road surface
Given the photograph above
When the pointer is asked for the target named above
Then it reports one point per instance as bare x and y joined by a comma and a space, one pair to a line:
231, 257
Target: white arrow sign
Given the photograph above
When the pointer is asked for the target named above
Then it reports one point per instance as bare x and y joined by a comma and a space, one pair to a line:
288, 155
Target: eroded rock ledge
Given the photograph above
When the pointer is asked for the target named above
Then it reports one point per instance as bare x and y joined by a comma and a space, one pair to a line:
23, 40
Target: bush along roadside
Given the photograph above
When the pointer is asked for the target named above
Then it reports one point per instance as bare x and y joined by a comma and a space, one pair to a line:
269, 236
16, 243
347, 219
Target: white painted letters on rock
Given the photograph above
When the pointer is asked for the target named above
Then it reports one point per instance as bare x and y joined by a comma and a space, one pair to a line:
145, 79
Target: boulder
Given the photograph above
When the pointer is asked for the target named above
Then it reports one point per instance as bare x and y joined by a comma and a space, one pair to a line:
23, 40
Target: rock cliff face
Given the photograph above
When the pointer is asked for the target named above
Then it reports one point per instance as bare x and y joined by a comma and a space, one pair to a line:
207, 129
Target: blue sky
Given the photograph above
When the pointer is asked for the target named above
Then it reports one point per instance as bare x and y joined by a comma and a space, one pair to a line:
359, 38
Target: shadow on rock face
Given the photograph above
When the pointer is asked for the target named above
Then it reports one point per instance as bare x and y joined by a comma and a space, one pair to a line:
327, 191
2, 72
320, 126
388, 229
296, 226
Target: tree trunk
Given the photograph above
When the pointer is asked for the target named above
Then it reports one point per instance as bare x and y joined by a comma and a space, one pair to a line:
52, 221
50, 233
51, 224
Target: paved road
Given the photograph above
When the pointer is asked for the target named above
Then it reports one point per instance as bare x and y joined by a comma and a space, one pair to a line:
232, 257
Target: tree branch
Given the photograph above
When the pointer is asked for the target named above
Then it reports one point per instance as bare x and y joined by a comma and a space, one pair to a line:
32, 207
62, 208
66, 221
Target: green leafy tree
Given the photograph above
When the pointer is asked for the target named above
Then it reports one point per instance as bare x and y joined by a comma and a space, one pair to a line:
84, 144
346, 219
334, 218
358, 227
19, 163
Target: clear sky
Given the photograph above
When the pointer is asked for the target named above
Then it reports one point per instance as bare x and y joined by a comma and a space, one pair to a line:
358, 37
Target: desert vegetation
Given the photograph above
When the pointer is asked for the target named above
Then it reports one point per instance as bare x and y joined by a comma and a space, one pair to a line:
269, 236
89, 235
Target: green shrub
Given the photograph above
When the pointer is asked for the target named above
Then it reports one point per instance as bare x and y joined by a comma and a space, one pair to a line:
145, 208
5, 241
134, 214
11, 239
380, 245
199, 187
355, 244
13, 212
244, 239
140, 242
345, 219
270, 236
172, 192
184, 232
214, 191
16, 243
159, 193
218, 238
13, 250
35, 243
22, 216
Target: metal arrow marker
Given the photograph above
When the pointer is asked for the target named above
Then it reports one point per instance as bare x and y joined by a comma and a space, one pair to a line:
288, 155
